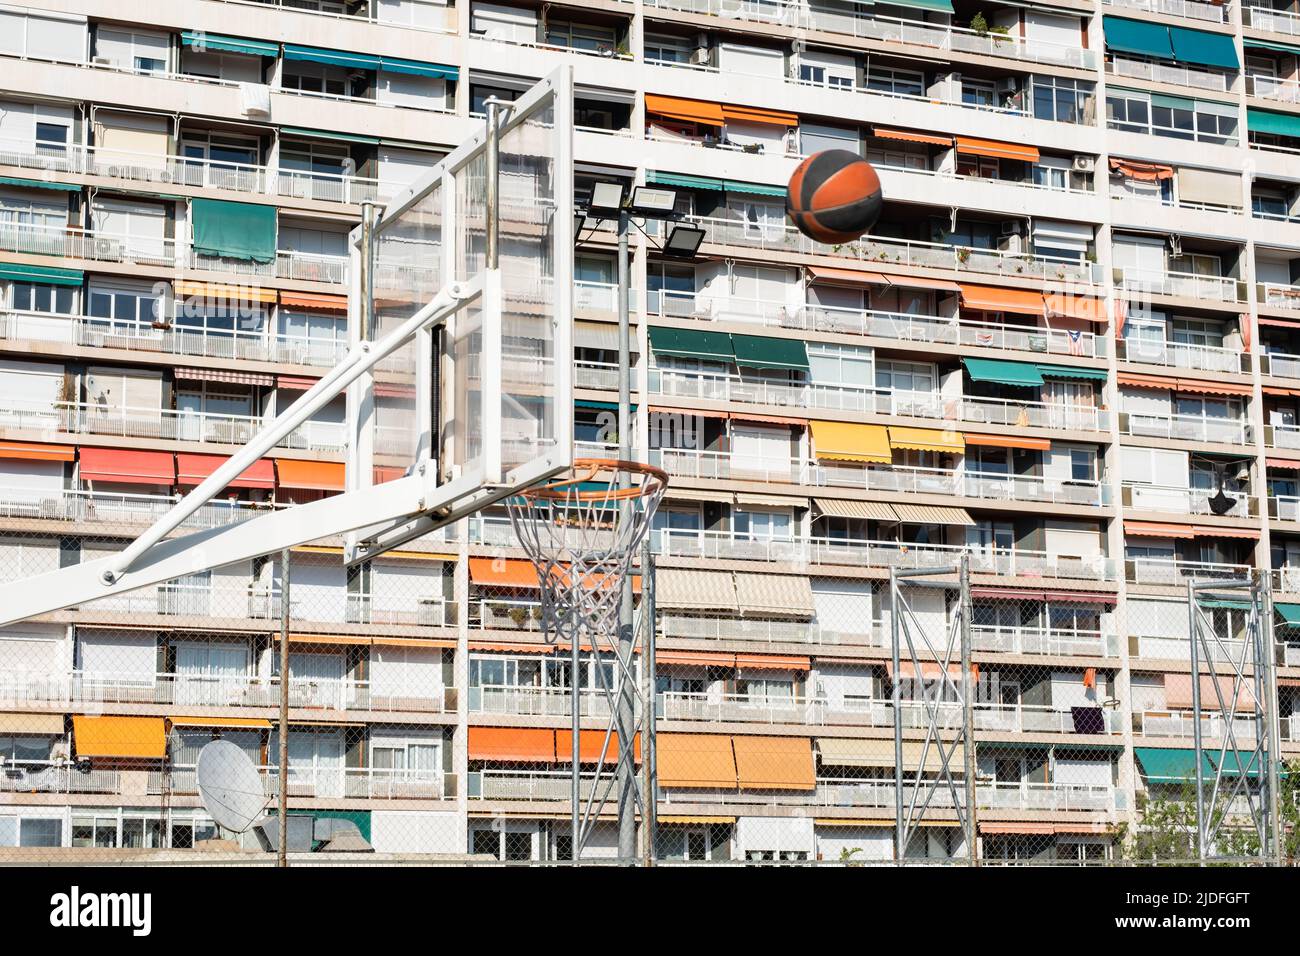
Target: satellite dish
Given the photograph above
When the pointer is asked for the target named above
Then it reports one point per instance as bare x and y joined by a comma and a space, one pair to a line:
229, 786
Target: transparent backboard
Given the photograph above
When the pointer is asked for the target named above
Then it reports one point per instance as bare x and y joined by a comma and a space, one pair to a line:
502, 372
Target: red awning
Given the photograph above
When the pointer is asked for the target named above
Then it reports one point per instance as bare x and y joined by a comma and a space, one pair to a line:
128, 466
37, 451
295, 383
1285, 464
192, 469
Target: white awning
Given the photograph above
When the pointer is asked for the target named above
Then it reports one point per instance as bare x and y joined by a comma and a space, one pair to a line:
933, 514
788, 595
678, 589
871, 510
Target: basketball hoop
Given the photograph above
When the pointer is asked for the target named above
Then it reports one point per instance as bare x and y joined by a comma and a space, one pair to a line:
581, 533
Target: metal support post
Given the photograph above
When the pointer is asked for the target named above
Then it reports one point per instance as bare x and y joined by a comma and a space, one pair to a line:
282, 851
1194, 629
968, 707
626, 782
900, 850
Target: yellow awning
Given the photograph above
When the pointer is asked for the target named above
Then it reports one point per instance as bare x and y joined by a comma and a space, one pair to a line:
695, 761
846, 441
696, 820
774, 763
927, 439
119, 737
219, 722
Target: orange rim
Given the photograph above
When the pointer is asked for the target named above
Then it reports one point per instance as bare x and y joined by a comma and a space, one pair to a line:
585, 469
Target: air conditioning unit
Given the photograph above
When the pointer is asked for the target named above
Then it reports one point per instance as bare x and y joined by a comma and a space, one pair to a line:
1012, 227
1084, 164
798, 45
105, 249
1006, 86
1010, 244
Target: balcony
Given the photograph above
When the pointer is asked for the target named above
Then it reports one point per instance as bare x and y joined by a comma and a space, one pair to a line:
1275, 295
517, 700
921, 330
1186, 284
1191, 9
1159, 647
115, 509
89, 332
1160, 71
1272, 88
758, 630
1202, 428
1185, 501
781, 237
1282, 436
1280, 364
1050, 641
1208, 358
366, 783
28, 777
1182, 723
1173, 572
1284, 507
1275, 21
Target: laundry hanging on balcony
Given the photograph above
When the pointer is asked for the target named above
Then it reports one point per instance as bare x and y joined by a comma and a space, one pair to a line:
234, 230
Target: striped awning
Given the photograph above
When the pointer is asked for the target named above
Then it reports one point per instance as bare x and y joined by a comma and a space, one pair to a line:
676, 588
851, 752
870, 510
788, 595
230, 376
933, 514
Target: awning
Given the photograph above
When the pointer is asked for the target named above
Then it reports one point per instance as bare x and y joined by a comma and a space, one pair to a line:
311, 475
127, 466
848, 752
989, 298
693, 343
1212, 388
1007, 441
1071, 371
193, 469
327, 134
768, 419
851, 277
1274, 124
219, 721
774, 763
314, 301
1157, 529
996, 150
1284, 464
222, 293
695, 658
930, 670
234, 230
1171, 766
1020, 827
1290, 613
684, 181
1085, 308
1143, 172
503, 572
1146, 381
677, 589
138, 737
1204, 48
1178, 693
354, 61
866, 510
1209, 186
908, 136
39, 184
933, 514
847, 441
511, 647
205, 42
1214, 531
512, 744
691, 111
927, 439
592, 747
1002, 372
937, 6
694, 761
301, 383
760, 351
438, 71
776, 594
44, 275
36, 451
751, 114
21, 724
693, 819
1137, 36
746, 498
1022, 594
773, 662
227, 375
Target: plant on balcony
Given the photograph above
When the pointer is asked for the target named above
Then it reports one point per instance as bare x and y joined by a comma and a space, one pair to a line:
963, 256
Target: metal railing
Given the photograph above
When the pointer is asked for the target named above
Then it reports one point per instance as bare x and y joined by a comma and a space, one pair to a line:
1204, 428
1174, 571
1159, 71
1215, 288
1191, 9
1210, 358
1181, 723
1043, 640
1275, 21
1181, 500
1277, 295
338, 783
1272, 88
115, 508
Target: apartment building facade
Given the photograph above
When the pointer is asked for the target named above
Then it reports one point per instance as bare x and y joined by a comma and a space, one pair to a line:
1076, 325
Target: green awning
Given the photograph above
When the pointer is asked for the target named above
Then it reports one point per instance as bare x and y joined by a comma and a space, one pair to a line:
1002, 372
1171, 766
39, 184
692, 343
1137, 36
1224, 604
1068, 371
1278, 124
1173, 102
415, 68
760, 351
1234, 762
234, 230
686, 182
1290, 613
353, 61
44, 275
1204, 49
325, 134
939, 6
754, 189
1252, 44
196, 39
599, 406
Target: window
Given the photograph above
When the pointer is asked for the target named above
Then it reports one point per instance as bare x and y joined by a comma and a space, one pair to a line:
843, 365
314, 160
51, 139
307, 77
36, 832
1128, 111
762, 525
35, 297
1269, 205
905, 377
123, 308
992, 535
1060, 100
1083, 464
1197, 331
479, 95
21, 749
978, 93
214, 398
581, 36
660, 48
1051, 177
895, 82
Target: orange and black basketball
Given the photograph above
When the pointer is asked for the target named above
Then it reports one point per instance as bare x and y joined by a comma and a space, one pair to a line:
834, 196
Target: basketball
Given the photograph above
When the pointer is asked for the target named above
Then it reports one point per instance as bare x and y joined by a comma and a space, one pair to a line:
833, 196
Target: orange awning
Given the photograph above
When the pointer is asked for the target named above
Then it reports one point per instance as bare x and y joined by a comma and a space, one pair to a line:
314, 301
503, 572
591, 747
916, 282
1178, 692
140, 737
219, 721
774, 763
1285, 464
128, 466
330, 640
511, 647
192, 469
295, 383
1146, 381
990, 298
1210, 531
1086, 308
1158, 529
227, 293
312, 475
1017, 827
435, 643
695, 761
692, 111
847, 276
512, 744
929, 670
907, 136
751, 114
1146, 172
36, 451
773, 662
1280, 392
996, 150
1212, 388
768, 419
1007, 441
695, 658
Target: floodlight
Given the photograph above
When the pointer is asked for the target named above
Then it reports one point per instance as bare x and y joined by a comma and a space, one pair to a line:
683, 242
654, 202
606, 198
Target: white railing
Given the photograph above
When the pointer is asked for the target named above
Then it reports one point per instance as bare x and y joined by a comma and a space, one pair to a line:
782, 237
1210, 358
1173, 571
1215, 288
1275, 21
1277, 295
1034, 488
1030, 718
1189, 427
1272, 88
1284, 507
1176, 723
332, 782
116, 508
1282, 436
1178, 649
519, 700
1159, 71
48, 777
1042, 640
710, 628
1191, 9
1181, 500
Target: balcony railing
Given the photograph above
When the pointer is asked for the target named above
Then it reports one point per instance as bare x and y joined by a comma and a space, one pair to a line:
1272, 88
1182, 723
1284, 507
337, 783
1176, 500
535, 701
1043, 640
1282, 436
1173, 571
777, 236
1191, 9
1159, 71
1159, 647
1280, 364
1277, 295
1275, 21
47, 777
1204, 428
1210, 358
1212, 288
113, 508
